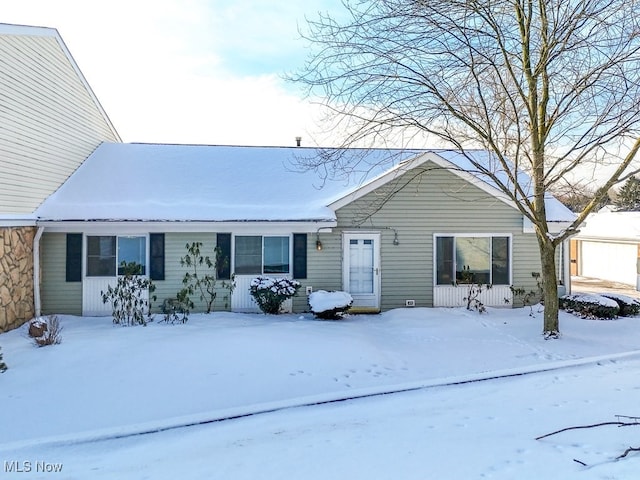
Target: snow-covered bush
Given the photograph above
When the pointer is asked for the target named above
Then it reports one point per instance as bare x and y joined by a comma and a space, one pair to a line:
629, 306
3, 366
128, 298
45, 331
330, 305
270, 293
590, 306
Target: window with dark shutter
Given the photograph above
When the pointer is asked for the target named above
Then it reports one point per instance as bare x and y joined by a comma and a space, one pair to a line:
74, 257
156, 256
223, 256
300, 255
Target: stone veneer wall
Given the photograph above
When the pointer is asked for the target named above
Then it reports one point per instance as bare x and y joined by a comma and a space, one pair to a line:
16, 276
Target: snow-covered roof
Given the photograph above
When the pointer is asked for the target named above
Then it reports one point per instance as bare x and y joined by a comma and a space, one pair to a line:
161, 182
608, 225
152, 182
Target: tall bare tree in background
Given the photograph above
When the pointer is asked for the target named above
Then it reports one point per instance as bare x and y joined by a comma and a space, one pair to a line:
546, 86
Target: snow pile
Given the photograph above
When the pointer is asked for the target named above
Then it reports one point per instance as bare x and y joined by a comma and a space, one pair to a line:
321, 300
465, 388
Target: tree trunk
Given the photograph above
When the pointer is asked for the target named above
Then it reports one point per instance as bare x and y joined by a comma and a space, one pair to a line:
549, 288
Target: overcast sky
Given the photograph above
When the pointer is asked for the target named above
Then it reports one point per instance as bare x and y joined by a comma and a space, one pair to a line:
188, 71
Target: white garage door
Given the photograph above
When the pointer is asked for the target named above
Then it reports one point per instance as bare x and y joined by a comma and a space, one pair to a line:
610, 261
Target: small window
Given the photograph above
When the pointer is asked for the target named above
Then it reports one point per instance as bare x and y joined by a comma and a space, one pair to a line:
500, 261
276, 255
444, 260
248, 255
132, 250
101, 256
255, 255
106, 253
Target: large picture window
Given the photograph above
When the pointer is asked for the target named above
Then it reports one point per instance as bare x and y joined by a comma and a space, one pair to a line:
477, 259
255, 255
106, 253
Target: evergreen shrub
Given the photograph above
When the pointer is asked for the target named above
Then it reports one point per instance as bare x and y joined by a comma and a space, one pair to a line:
270, 293
629, 306
590, 306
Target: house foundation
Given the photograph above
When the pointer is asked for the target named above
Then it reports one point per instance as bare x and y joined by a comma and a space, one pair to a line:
16, 276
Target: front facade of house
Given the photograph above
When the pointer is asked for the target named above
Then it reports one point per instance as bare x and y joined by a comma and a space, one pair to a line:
388, 246
74, 203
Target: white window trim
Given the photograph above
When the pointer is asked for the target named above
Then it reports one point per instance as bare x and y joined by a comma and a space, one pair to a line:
85, 251
466, 235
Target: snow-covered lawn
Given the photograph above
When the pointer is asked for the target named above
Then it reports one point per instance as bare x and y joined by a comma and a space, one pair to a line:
93, 403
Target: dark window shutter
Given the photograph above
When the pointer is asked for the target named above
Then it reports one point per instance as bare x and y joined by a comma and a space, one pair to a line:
156, 256
299, 255
74, 257
223, 256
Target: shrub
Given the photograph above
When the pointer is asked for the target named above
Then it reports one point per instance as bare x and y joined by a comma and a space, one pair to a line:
202, 283
127, 298
270, 293
176, 310
629, 306
330, 305
474, 289
3, 366
590, 306
45, 331
530, 298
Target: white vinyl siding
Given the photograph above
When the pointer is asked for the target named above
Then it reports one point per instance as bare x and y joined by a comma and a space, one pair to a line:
49, 120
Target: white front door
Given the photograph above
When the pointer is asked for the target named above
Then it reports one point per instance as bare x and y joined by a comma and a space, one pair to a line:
361, 269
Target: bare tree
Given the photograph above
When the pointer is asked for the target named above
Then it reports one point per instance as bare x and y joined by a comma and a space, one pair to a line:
576, 196
546, 86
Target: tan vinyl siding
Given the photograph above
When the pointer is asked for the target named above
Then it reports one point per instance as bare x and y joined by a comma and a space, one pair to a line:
49, 120
57, 295
438, 201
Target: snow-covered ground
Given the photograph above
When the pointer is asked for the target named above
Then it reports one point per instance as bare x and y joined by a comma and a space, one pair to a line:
237, 396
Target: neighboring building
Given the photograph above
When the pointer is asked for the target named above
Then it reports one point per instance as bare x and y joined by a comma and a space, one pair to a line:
608, 247
403, 236
50, 121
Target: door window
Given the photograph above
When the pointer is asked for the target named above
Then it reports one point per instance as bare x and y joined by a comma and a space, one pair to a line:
361, 279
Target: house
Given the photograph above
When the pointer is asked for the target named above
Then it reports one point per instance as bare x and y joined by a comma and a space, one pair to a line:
608, 247
50, 121
391, 237
396, 230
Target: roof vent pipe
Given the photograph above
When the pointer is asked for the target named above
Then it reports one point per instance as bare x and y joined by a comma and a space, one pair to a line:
298, 141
